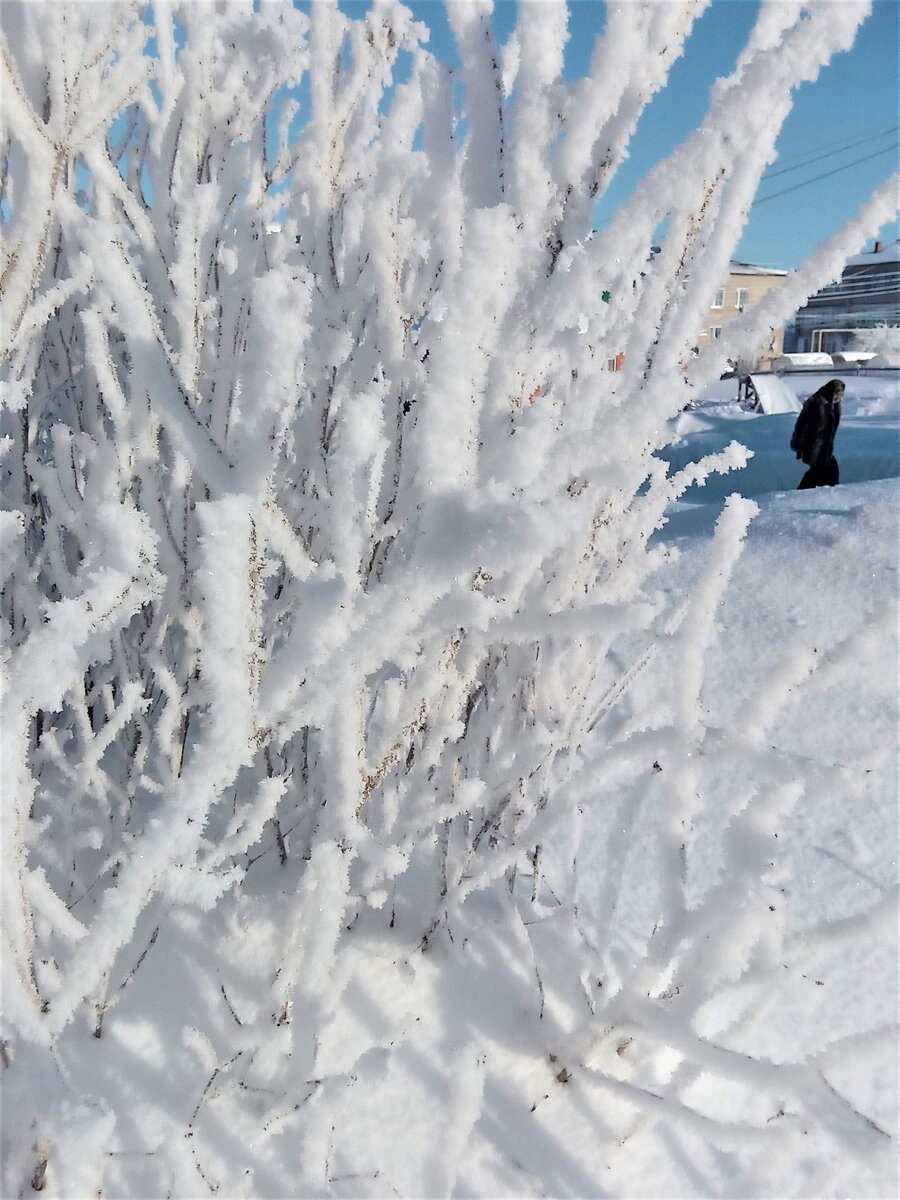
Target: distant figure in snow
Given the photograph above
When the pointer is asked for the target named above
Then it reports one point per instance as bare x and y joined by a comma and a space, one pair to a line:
813, 437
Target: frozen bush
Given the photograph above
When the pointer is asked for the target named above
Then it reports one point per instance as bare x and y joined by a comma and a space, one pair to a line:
325, 525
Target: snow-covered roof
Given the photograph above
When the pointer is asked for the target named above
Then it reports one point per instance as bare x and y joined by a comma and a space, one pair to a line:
812, 358
742, 268
887, 254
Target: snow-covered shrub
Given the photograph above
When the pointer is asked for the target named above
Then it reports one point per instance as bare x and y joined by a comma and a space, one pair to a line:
325, 551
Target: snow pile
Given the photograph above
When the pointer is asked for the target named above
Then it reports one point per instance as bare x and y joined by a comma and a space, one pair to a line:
774, 395
366, 777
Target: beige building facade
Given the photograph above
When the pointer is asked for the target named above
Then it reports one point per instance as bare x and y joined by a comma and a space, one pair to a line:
745, 286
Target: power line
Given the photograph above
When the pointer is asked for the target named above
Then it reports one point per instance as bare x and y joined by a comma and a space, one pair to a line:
825, 152
825, 148
825, 175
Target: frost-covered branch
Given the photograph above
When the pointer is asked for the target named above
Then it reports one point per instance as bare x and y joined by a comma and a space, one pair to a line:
325, 528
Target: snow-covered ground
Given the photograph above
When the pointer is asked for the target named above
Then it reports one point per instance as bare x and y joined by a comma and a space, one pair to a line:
819, 570
809, 622
867, 445
506, 1059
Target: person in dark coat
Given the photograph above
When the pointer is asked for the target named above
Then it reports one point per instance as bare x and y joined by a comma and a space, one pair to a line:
813, 437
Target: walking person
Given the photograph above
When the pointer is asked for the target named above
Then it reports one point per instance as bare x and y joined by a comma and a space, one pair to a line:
813, 437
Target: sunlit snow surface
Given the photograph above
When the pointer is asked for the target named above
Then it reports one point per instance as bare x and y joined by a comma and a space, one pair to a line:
500, 1060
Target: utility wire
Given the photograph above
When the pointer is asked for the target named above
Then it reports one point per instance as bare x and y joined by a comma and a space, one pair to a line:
824, 175
826, 148
825, 152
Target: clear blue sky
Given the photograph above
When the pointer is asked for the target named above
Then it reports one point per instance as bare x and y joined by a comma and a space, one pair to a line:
850, 112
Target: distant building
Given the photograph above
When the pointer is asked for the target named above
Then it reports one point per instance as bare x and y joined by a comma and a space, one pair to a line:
867, 295
746, 285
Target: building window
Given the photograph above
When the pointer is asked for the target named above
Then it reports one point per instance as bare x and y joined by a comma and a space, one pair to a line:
719, 301
742, 298
715, 332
